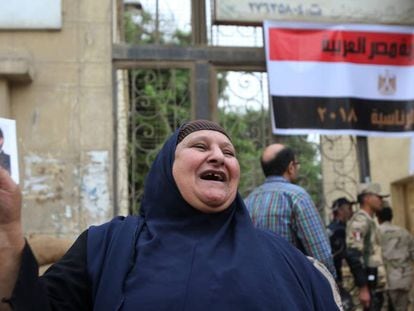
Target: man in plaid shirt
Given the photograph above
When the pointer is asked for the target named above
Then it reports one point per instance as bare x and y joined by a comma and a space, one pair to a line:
287, 209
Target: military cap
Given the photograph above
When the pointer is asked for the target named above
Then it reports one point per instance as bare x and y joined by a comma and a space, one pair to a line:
339, 202
371, 188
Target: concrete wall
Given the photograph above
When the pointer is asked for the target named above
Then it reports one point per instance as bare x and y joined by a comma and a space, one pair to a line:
340, 171
389, 160
65, 119
403, 202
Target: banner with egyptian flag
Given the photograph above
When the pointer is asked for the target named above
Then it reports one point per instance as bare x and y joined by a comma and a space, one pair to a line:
333, 79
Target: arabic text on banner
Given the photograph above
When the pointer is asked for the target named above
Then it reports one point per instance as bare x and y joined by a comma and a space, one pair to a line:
340, 79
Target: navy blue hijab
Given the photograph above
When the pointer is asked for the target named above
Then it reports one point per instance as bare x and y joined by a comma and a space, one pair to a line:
174, 257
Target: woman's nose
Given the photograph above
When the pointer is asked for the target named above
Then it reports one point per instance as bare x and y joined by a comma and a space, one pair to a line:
216, 155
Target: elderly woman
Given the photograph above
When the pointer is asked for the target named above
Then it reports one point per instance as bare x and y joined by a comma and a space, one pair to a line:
192, 248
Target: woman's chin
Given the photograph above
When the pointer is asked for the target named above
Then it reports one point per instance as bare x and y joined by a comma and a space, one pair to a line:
212, 205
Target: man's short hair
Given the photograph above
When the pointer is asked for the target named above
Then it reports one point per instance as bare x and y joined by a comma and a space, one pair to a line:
385, 214
279, 164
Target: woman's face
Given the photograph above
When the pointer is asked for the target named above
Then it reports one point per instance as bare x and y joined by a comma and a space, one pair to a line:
206, 170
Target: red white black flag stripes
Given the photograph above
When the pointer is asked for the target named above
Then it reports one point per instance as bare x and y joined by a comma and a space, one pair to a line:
340, 79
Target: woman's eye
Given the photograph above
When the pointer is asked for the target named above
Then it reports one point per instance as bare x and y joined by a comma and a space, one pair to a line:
229, 153
200, 146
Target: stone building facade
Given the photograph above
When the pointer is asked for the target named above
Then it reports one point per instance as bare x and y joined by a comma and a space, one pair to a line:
57, 85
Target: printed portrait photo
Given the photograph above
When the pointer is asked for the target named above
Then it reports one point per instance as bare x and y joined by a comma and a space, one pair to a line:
8, 148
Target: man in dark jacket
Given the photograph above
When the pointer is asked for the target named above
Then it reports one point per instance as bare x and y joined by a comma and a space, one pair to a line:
342, 212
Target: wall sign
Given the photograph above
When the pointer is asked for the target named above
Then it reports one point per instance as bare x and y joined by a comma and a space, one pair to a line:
31, 14
253, 12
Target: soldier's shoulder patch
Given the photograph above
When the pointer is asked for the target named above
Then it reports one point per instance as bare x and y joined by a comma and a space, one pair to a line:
356, 235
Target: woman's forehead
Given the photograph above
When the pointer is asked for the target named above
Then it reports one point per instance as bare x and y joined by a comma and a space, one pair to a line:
208, 135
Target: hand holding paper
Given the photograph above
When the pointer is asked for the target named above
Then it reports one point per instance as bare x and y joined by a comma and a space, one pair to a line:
11, 234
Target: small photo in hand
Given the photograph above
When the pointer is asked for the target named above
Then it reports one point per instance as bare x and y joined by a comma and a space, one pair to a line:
8, 148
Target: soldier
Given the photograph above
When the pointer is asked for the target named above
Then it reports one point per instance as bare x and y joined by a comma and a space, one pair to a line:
364, 250
398, 254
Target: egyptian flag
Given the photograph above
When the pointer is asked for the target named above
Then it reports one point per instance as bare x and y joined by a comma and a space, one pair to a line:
340, 79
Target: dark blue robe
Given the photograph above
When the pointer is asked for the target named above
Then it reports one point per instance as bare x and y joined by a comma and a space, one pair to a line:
174, 257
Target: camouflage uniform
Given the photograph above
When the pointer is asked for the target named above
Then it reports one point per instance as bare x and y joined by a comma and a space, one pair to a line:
398, 254
364, 255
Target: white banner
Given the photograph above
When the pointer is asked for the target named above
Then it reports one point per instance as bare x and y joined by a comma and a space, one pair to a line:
331, 79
